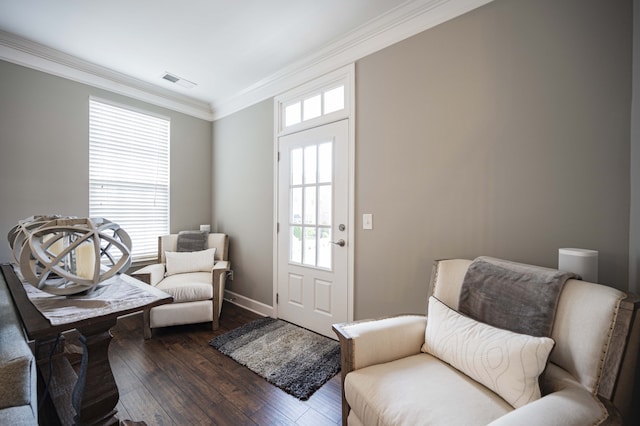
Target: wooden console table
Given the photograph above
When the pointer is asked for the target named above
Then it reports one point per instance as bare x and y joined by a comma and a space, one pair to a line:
90, 397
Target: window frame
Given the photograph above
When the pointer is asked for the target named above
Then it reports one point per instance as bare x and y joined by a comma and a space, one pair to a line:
131, 217
319, 86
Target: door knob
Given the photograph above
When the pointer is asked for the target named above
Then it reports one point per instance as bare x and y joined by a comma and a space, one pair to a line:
340, 242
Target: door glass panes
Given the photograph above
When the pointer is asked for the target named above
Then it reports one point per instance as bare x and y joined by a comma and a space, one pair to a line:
309, 253
296, 206
295, 244
324, 205
325, 162
296, 166
334, 100
311, 205
310, 164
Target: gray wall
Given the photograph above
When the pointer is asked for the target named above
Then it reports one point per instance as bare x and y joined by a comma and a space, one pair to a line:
44, 156
634, 232
504, 132
243, 197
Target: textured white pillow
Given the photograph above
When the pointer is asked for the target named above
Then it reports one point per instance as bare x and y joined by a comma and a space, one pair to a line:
189, 261
508, 363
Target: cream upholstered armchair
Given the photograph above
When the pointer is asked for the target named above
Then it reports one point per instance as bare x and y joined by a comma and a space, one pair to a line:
193, 272
448, 368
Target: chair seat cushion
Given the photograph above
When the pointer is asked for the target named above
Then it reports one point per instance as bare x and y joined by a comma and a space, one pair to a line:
420, 389
188, 287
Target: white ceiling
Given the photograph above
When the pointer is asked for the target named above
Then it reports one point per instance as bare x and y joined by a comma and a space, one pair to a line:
237, 51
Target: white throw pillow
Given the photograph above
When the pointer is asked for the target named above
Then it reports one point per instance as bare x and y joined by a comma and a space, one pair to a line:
189, 261
508, 363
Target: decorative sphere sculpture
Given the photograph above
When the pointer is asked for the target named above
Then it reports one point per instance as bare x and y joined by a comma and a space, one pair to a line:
18, 234
66, 256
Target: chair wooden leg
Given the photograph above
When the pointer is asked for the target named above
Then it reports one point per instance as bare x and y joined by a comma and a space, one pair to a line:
217, 275
216, 314
146, 319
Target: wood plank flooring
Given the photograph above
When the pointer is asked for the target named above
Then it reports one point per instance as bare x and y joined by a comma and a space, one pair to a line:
176, 378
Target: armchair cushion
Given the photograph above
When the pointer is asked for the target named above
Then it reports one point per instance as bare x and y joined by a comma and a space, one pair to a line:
188, 287
420, 390
195, 261
506, 362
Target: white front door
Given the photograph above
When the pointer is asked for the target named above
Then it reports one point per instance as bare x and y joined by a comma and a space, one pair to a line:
313, 258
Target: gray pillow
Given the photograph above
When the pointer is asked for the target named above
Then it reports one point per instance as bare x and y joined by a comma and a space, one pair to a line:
512, 296
192, 240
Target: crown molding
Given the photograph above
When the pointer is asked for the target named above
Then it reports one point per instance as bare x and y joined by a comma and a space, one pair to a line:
408, 19
33, 55
404, 21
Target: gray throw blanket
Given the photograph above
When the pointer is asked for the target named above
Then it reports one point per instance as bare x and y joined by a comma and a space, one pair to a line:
192, 240
512, 296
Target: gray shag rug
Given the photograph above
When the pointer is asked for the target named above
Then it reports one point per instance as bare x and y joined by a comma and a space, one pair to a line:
295, 359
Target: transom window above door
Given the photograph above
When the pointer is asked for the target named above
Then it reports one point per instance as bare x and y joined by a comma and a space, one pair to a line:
314, 106
326, 100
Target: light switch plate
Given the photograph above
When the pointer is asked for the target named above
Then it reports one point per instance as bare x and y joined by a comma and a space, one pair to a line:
367, 221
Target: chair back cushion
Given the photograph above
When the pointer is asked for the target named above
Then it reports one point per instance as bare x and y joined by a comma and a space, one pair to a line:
218, 241
193, 261
583, 327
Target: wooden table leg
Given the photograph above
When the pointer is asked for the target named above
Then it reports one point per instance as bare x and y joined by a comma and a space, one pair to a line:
95, 395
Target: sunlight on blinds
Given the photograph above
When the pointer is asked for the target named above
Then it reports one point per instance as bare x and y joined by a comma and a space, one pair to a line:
129, 173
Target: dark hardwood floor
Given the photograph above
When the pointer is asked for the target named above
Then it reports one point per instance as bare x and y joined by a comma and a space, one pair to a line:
176, 378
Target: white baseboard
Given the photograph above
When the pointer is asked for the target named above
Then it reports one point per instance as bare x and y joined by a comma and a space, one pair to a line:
248, 304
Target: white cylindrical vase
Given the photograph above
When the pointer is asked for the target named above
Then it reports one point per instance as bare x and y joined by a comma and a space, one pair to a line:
579, 261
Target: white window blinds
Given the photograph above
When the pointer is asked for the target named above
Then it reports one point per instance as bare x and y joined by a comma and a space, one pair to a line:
129, 173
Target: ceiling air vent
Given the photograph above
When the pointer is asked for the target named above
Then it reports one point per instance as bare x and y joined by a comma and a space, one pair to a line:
178, 80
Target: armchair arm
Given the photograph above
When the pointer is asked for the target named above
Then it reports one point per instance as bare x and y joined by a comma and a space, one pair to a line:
222, 264
567, 407
218, 279
219, 272
565, 403
371, 342
150, 274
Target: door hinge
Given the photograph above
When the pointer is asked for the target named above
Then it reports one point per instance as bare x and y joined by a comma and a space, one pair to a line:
277, 227
277, 298
278, 155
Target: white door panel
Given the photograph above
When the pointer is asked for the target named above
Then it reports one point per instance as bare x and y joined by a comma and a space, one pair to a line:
313, 220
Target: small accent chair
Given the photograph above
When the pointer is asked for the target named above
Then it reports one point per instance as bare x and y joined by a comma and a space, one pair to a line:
195, 281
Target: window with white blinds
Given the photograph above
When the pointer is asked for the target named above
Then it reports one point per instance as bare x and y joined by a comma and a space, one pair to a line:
129, 173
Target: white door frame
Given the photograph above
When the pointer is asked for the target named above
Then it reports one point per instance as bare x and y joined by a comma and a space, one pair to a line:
346, 75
